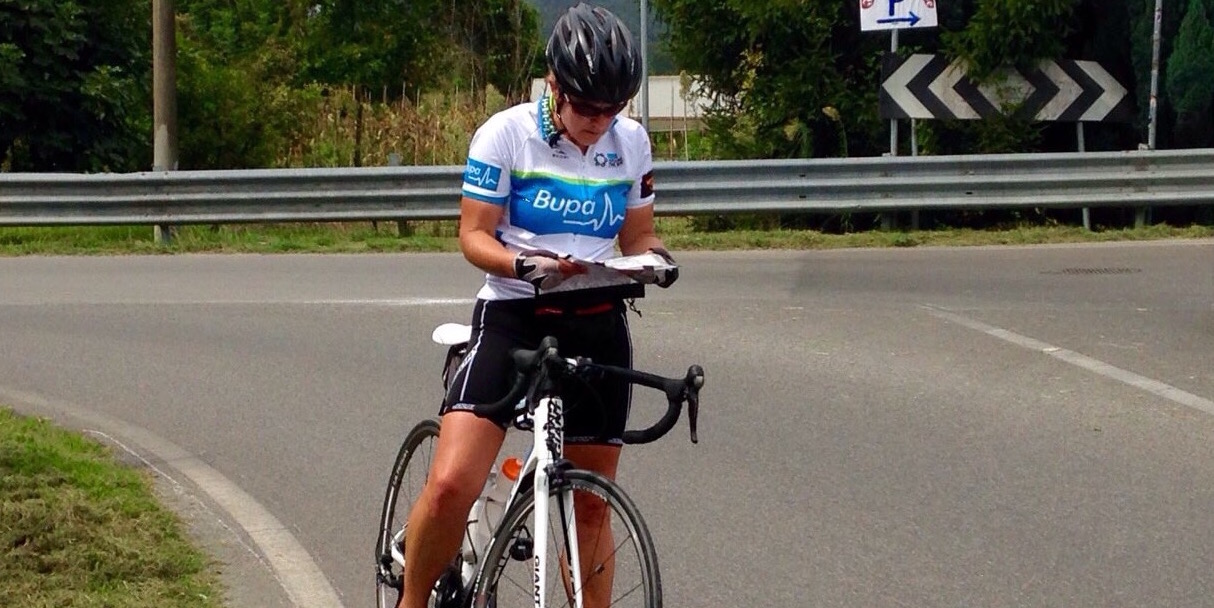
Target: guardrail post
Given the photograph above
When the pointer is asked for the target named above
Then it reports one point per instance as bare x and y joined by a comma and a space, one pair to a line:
1140, 218
1082, 145
402, 226
163, 234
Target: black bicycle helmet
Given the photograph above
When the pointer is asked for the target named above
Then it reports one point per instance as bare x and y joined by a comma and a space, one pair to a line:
592, 56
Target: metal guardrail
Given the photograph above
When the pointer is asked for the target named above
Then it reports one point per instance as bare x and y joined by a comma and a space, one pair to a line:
1103, 179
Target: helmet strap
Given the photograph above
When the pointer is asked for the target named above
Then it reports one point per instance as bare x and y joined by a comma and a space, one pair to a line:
552, 119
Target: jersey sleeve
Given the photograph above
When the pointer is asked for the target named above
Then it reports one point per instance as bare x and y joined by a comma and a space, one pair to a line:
641, 193
487, 174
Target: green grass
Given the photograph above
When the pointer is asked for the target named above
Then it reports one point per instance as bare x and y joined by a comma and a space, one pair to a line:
255, 238
77, 528
679, 234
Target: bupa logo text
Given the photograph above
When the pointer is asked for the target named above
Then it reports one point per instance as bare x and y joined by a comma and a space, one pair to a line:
578, 212
544, 199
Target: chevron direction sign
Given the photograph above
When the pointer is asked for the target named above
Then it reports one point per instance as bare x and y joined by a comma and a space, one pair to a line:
928, 86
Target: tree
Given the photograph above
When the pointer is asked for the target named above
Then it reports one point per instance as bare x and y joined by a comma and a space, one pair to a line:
75, 82
1017, 33
235, 63
514, 48
371, 43
774, 68
1189, 82
500, 45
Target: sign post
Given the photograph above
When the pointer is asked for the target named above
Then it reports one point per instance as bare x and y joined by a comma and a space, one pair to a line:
894, 15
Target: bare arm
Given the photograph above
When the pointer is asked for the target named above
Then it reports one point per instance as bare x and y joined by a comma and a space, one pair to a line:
637, 235
477, 240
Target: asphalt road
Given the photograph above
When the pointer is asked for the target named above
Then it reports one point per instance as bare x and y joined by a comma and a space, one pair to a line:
912, 427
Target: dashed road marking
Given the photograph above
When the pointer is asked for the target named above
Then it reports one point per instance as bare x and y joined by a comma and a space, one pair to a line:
1155, 387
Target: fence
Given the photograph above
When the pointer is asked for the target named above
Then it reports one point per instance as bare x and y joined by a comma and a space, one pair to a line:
1122, 179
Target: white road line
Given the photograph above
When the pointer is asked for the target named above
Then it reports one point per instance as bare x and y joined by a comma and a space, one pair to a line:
1155, 387
296, 571
402, 302
395, 302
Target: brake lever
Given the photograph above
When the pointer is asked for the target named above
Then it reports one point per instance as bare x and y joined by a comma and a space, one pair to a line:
694, 380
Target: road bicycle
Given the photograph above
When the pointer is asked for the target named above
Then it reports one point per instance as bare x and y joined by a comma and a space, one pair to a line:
614, 565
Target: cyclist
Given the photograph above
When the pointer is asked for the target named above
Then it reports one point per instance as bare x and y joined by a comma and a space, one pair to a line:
546, 183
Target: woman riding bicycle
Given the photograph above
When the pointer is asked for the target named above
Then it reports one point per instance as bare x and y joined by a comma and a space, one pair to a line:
546, 183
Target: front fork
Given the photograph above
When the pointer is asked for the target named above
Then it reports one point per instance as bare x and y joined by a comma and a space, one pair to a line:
550, 465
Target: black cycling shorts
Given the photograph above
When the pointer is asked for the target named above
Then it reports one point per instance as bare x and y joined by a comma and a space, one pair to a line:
595, 330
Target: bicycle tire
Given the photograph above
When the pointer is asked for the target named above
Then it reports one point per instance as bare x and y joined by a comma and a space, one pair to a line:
388, 575
506, 548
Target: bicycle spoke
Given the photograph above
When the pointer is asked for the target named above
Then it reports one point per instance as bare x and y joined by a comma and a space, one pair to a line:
408, 475
635, 588
616, 567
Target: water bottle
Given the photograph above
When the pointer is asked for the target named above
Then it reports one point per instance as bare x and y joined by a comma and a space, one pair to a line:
479, 529
487, 511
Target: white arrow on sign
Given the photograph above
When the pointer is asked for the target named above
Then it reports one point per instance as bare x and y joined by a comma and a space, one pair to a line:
1068, 90
1113, 91
943, 88
898, 85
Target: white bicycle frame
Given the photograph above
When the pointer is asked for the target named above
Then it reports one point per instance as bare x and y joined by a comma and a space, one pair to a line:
547, 448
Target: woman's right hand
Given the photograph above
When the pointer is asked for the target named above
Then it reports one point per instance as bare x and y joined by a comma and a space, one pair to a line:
544, 269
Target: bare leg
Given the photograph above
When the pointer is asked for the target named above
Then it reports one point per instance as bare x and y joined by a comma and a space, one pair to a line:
467, 447
596, 544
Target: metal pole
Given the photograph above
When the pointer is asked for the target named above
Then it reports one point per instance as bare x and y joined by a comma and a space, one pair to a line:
893, 122
1082, 144
645, 64
164, 97
1140, 215
1154, 72
914, 152
889, 219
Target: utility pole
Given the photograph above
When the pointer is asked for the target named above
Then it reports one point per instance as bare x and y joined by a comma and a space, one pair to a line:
1154, 72
164, 96
1140, 215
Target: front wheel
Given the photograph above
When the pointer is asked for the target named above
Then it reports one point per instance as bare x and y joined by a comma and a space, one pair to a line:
409, 474
619, 564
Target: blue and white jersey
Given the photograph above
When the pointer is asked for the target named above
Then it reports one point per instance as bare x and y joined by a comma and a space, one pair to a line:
553, 196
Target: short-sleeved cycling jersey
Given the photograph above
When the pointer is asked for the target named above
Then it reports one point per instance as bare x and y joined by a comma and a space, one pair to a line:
555, 197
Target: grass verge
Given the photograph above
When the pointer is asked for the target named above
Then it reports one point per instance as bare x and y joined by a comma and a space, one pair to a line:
78, 528
678, 233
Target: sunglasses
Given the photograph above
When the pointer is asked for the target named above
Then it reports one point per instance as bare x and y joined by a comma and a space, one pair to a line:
588, 109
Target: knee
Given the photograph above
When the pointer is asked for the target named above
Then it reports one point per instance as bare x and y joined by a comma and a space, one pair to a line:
450, 494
